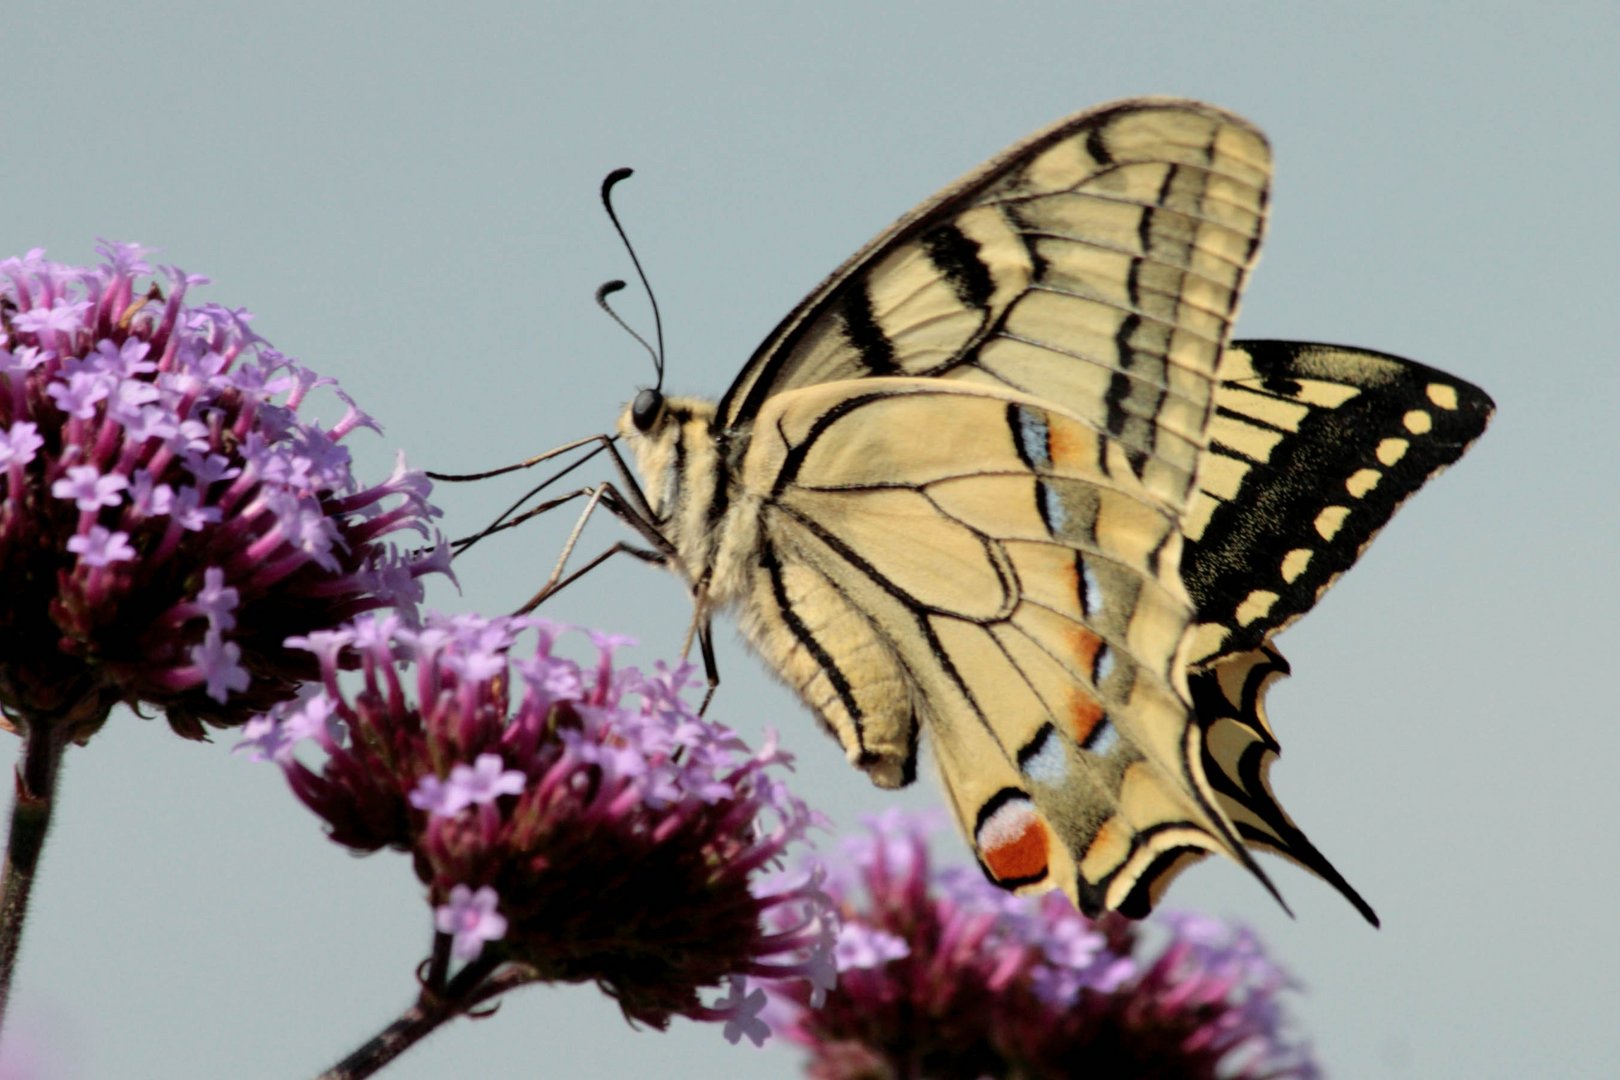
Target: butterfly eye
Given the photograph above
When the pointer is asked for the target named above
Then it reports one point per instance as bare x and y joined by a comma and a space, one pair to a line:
647, 408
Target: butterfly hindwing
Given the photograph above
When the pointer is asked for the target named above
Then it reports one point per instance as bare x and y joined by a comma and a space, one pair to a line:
1010, 585
1312, 449
1238, 748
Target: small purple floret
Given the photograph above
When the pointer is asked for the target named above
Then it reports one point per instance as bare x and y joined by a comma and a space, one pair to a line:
629, 841
944, 975
471, 920
167, 517
90, 490
98, 547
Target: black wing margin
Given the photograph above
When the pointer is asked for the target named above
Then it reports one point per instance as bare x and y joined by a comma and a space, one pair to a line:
1312, 449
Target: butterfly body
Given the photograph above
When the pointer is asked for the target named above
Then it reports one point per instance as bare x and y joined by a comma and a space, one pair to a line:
1003, 479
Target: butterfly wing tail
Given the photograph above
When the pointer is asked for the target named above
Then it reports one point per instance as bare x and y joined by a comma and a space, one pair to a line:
1238, 749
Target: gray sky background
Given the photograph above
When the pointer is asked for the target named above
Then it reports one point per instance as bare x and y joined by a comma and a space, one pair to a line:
405, 195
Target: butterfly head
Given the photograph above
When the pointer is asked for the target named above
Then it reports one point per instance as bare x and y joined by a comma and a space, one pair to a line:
647, 410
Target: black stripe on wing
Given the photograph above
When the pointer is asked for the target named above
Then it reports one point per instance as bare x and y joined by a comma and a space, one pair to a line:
1189, 137
821, 653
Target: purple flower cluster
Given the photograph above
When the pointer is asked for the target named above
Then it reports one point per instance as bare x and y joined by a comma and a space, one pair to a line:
574, 824
942, 975
167, 519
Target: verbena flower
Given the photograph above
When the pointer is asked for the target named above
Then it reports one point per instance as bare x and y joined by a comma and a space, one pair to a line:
572, 824
167, 519
942, 975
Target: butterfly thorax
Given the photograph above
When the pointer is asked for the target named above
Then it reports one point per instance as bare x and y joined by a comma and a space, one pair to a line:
688, 485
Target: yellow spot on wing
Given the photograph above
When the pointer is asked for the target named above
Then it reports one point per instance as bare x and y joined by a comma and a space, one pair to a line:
1330, 520
1255, 606
1391, 450
1110, 845
1418, 421
1294, 563
1207, 638
1273, 411
1442, 395
1362, 481
1222, 476
1326, 395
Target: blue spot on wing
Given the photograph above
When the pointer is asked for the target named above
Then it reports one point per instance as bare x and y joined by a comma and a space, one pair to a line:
1103, 666
1032, 437
1053, 513
1103, 738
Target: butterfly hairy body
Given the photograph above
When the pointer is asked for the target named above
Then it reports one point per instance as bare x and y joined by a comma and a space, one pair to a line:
1003, 478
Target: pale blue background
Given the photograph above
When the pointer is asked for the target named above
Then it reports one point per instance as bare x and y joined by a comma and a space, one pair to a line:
406, 197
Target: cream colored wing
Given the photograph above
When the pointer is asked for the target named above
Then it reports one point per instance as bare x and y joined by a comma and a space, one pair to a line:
986, 567
1097, 265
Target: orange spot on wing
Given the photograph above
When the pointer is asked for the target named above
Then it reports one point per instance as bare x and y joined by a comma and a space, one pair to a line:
1067, 442
1085, 711
1071, 579
1084, 645
1021, 857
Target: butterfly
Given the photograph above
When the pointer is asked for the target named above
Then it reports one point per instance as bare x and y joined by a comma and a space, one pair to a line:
1004, 479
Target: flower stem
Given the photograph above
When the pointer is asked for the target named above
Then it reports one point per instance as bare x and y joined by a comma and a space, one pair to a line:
432, 1008
413, 1024
30, 819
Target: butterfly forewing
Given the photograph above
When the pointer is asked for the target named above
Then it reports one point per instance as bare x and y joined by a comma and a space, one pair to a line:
1097, 266
1312, 449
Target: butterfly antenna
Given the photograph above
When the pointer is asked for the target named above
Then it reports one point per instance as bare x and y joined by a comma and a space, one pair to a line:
607, 289
608, 183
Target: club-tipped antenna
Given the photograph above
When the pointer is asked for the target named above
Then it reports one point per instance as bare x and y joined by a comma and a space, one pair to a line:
607, 289
611, 287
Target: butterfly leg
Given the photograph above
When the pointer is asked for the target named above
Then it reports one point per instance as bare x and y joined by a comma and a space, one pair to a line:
711, 670
629, 503
701, 630
605, 495
552, 587
528, 463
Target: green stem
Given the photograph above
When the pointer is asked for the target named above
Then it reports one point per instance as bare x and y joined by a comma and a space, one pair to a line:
30, 819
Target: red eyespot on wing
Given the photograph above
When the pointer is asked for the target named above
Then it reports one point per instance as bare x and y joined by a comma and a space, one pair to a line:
1012, 841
